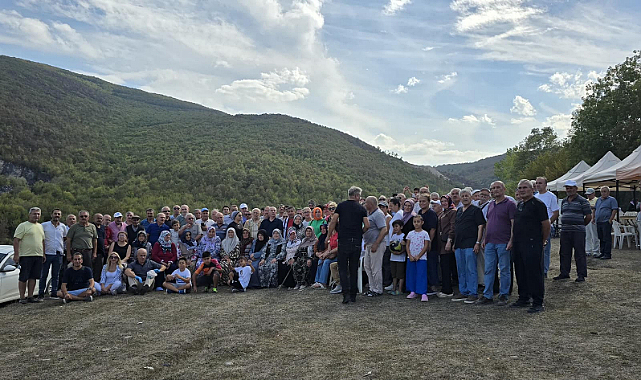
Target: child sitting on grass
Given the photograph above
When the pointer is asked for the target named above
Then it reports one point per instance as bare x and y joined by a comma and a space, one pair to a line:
418, 243
181, 276
397, 259
239, 278
208, 274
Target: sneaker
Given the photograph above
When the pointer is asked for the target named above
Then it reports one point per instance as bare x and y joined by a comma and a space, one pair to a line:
373, 294
214, 290
471, 299
321, 286
444, 295
559, 277
23, 301
113, 292
392, 292
234, 290
64, 301
159, 289
337, 290
316, 285
296, 287
431, 291
182, 291
424, 298
88, 299
502, 301
302, 287
580, 279
390, 287
606, 258
484, 301
411, 295
520, 304
54, 297
459, 298
536, 309
34, 300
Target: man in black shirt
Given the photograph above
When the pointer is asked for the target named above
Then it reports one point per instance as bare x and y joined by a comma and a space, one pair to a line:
98, 262
352, 223
529, 235
77, 282
271, 223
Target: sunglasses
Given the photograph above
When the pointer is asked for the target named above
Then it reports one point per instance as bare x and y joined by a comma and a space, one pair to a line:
176, 208
83, 216
332, 208
113, 258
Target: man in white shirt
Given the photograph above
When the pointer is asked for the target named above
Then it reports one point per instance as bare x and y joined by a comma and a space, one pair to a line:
552, 205
55, 234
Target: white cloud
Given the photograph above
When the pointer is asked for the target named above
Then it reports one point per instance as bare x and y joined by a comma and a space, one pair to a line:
447, 77
395, 6
413, 81
560, 122
474, 119
477, 14
428, 48
522, 120
522, 106
570, 86
428, 151
400, 89
269, 86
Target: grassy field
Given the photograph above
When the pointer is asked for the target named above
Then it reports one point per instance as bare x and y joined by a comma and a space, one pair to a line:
588, 331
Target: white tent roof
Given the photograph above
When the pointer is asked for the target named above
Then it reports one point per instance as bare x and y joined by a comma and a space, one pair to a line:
629, 170
608, 160
578, 169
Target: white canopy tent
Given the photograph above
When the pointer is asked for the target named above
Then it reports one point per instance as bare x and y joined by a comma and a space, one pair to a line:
608, 160
578, 169
626, 172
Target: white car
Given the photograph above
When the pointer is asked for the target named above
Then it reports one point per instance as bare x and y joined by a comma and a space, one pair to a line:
9, 273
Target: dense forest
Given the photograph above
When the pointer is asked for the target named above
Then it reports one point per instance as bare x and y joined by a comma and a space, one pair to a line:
73, 141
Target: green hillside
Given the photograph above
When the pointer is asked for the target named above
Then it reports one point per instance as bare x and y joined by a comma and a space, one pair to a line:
74, 141
476, 174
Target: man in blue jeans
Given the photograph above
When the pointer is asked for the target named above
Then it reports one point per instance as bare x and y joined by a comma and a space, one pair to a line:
497, 244
55, 233
605, 211
352, 223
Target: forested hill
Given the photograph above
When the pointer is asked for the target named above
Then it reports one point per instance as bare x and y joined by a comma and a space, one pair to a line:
477, 174
87, 143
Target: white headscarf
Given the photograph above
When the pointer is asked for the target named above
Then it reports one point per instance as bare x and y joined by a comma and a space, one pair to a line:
228, 244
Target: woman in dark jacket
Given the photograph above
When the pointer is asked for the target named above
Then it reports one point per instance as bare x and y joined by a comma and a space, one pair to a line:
445, 233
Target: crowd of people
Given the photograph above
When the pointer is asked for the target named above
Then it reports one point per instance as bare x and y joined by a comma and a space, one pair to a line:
418, 244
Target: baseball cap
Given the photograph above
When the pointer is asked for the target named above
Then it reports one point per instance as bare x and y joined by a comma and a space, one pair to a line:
118, 215
383, 203
570, 183
243, 205
135, 217
435, 202
589, 190
475, 191
204, 209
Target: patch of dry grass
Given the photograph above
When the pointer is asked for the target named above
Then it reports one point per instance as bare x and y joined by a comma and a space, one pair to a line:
588, 331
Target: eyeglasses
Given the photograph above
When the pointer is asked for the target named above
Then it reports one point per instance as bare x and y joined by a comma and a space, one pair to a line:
83, 216
176, 208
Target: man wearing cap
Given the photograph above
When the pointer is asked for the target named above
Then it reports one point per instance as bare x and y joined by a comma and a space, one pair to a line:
552, 204
204, 219
476, 197
244, 211
134, 228
114, 227
591, 234
575, 215
606, 209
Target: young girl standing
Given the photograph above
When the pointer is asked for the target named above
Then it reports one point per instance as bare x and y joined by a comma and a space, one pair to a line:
418, 243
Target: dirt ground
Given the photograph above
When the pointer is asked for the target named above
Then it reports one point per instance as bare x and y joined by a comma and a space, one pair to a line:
588, 331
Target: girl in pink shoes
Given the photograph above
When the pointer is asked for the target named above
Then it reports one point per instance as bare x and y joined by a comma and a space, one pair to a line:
418, 243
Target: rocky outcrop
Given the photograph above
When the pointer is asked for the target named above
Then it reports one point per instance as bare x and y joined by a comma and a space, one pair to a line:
15, 170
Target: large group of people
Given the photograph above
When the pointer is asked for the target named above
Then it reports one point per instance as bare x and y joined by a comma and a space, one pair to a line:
418, 244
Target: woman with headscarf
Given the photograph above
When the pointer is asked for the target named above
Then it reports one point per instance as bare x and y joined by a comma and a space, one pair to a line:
268, 266
140, 242
210, 242
164, 252
285, 267
229, 252
246, 243
236, 223
326, 256
189, 249
298, 226
408, 215
303, 258
256, 253
318, 220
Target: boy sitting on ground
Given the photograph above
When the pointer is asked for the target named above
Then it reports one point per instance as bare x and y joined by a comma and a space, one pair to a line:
208, 274
239, 278
181, 276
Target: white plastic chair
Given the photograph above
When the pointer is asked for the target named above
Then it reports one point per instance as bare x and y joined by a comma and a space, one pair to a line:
620, 235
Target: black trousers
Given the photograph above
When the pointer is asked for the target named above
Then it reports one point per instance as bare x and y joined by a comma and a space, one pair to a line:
285, 275
570, 241
528, 267
448, 270
387, 268
349, 254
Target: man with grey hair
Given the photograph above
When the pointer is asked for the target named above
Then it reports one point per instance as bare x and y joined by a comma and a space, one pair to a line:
29, 253
83, 237
591, 234
374, 246
606, 209
352, 222
455, 194
575, 215
552, 205
191, 226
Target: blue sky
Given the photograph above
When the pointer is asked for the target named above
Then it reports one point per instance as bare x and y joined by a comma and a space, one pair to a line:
437, 81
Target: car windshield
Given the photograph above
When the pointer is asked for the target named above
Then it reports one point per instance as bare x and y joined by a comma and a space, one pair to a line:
3, 255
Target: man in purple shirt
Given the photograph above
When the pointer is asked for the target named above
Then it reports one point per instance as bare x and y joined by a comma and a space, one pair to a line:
498, 243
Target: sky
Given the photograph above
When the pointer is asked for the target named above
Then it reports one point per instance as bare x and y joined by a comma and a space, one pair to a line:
436, 81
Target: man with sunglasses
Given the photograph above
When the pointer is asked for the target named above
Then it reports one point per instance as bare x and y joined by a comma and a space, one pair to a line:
82, 237
77, 282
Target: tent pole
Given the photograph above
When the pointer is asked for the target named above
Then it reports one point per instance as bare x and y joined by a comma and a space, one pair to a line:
617, 198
